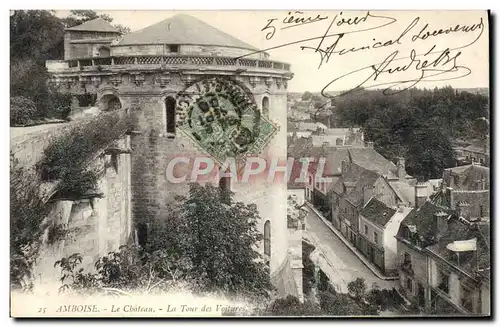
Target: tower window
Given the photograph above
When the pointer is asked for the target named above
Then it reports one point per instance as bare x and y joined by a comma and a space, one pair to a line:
267, 238
174, 48
170, 105
265, 106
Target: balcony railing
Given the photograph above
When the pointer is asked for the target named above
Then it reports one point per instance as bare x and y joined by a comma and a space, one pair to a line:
105, 62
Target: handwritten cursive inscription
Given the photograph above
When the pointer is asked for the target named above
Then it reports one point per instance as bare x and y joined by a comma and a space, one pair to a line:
437, 63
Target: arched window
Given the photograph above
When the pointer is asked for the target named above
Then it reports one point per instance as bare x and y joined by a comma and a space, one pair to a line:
104, 52
170, 105
265, 106
267, 238
110, 102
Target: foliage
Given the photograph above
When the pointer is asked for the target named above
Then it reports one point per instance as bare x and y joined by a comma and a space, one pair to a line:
37, 36
66, 158
222, 235
291, 306
205, 241
59, 105
307, 96
56, 233
338, 304
86, 99
357, 288
22, 110
27, 214
308, 270
416, 124
384, 299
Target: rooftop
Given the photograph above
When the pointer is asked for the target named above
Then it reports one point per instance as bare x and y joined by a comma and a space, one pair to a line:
377, 212
95, 25
183, 29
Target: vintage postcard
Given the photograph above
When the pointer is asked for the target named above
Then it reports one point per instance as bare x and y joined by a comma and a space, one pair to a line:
249, 163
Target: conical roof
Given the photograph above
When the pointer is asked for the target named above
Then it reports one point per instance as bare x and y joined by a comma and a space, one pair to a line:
183, 29
94, 25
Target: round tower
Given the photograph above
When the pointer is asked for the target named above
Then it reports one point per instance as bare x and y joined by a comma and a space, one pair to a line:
172, 74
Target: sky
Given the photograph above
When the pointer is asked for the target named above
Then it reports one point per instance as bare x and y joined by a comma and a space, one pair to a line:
397, 65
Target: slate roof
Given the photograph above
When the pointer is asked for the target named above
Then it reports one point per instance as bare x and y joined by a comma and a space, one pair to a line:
377, 212
460, 231
424, 221
184, 29
95, 25
372, 160
367, 178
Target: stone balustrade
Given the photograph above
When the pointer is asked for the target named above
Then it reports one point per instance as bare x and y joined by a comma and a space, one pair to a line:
100, 63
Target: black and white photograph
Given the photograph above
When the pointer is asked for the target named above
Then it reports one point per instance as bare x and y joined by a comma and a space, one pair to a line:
250, 163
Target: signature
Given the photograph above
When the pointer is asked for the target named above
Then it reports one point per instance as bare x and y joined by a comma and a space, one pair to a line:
435, 64
427, 68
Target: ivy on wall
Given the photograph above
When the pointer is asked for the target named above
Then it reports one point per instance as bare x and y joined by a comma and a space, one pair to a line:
68, 158
67, 161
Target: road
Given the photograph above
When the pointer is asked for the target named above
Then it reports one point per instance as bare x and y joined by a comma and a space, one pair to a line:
346, 265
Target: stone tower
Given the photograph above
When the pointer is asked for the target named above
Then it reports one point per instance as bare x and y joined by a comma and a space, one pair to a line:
158, 72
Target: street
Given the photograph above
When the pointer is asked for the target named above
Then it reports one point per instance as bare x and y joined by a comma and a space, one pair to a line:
346, 264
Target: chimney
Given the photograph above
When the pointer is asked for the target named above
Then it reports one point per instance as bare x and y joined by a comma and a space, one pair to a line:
442, 222
401, 168
421, 194
367, 194
369, 145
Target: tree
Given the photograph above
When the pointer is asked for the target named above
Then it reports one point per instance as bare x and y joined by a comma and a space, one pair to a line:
429, 153
307, 96
222, 236
204, 241
339, 304
357, 288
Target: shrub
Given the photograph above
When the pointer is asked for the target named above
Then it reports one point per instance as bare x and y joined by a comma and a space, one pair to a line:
27, 213
339, 304
22, 110
59, 105
357, 288
71, 152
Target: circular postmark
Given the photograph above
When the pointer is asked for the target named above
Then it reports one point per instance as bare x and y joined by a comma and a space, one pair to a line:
222, 118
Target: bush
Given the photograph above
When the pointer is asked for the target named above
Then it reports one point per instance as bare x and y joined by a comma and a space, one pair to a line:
339, 304
22, 110
357, 288
59, 105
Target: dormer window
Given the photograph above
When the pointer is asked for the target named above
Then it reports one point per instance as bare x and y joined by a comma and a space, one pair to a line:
174, 48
